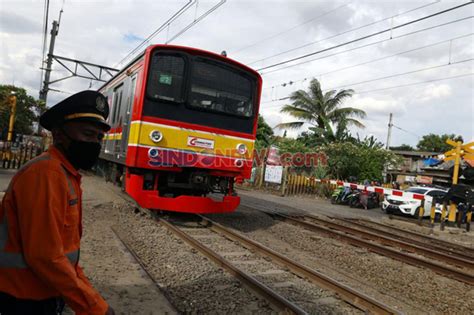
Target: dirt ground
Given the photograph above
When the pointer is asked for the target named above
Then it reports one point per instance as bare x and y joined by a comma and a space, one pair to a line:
106, 262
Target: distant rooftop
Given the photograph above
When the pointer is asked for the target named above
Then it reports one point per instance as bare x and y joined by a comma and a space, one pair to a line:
416, 153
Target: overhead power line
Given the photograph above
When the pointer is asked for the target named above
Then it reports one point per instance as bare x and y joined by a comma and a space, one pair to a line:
371, 44
345, 32
410, 132
158, 30
401, 74
367, 36
416, 83
387, 88
288, 30
371, 61
200, 18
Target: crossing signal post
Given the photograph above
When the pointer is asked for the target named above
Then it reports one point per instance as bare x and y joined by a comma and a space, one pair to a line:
458, 152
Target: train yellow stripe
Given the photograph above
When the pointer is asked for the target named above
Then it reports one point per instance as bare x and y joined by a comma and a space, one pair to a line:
178, 138
113, 136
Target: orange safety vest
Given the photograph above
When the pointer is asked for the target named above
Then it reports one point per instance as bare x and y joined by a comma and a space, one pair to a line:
40, 232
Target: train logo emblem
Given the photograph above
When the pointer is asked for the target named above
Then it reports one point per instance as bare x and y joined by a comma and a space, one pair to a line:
200, 143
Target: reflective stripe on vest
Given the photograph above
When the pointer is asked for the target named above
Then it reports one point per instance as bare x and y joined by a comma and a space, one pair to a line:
16, 260
69, 183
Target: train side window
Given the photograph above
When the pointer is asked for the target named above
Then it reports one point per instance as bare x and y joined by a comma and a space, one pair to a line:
166, 78
117, 102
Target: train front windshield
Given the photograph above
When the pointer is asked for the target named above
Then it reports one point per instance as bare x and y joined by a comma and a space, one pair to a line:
218, 89
200, 90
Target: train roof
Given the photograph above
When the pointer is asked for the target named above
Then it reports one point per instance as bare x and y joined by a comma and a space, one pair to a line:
183, 48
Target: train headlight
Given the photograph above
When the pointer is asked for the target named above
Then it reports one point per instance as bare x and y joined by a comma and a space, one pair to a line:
156, 136
241, 148
153, 153
239, 163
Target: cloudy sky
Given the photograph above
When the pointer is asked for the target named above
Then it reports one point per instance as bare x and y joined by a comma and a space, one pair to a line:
422, 73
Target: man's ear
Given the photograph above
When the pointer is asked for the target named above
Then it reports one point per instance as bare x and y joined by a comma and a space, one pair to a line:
58, 136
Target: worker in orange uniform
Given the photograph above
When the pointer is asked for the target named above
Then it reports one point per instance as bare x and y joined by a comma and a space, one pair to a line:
41, 216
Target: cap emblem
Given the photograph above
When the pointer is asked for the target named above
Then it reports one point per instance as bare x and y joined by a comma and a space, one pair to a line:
100, 104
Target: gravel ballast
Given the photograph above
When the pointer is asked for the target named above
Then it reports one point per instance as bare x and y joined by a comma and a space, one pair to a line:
409, 289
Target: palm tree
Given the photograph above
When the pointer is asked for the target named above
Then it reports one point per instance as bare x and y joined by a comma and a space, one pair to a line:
320, 110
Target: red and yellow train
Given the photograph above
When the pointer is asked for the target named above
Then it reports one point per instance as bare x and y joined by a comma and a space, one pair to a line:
183, 128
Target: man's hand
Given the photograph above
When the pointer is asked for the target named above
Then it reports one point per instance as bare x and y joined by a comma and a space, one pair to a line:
110, 311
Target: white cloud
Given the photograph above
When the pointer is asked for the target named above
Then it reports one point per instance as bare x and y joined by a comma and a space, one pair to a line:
376, 107
434, 91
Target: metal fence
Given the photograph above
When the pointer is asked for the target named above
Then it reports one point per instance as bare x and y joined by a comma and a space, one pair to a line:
14, 156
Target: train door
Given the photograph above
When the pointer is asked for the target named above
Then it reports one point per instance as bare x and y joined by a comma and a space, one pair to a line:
126, 120
116, 100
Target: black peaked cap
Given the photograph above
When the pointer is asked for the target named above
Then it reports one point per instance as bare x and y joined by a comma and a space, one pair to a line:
86, 106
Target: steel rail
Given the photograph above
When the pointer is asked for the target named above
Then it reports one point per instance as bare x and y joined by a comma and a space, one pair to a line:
389, 240
278, 301
350, 295
441, 244
427, 244
379, 249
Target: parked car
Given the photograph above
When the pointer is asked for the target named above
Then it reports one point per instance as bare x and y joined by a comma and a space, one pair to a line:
404, 205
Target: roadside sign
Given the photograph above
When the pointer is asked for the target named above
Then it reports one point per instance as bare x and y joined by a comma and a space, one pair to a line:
273, 174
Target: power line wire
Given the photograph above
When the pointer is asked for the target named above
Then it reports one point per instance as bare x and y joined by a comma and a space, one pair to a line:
416, 83
386, 88
410, 132
401, 74
158, 30
288, 30
200, 18
371, 44
370, 61
367, 36
345, 32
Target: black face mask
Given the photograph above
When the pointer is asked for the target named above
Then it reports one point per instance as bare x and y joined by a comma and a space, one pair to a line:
82, 154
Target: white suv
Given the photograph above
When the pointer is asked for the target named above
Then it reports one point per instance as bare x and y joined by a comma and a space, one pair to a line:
404, 205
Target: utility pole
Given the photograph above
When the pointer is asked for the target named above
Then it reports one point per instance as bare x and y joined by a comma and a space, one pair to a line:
12, 116
44, 91
389, 135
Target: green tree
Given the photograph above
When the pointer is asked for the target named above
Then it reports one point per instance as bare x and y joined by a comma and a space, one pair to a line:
403, 147
27, 108
320, 110
292, 145
347, 159
436, 143
264, 133
368, 142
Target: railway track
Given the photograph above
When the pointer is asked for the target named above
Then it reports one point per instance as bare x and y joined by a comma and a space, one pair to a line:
386, 238
378, 243
268, 273
414, 237
355, 298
